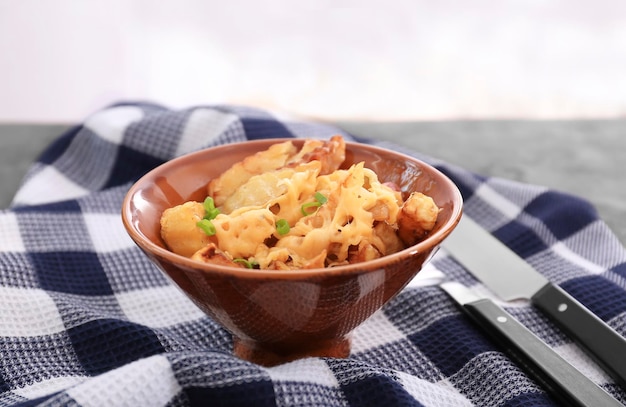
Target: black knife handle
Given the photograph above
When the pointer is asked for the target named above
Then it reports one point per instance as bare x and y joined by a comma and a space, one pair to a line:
603, 344
559, 377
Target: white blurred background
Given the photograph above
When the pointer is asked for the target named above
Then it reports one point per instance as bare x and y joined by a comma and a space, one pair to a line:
345, 59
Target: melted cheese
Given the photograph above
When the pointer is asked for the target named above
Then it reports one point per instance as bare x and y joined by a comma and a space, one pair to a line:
260, 196
343, 221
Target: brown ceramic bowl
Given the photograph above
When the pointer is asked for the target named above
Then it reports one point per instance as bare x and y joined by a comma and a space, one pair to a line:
277, 316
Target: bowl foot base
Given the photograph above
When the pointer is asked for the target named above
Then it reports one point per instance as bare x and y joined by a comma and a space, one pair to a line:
275, 355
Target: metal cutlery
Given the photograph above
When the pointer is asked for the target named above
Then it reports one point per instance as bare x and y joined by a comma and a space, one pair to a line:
558, 376
510, 277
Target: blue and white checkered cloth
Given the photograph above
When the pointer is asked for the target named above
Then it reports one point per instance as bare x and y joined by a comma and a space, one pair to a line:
87, 320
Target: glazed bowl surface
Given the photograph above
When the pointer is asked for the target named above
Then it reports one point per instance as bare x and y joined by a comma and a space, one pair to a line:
276, 316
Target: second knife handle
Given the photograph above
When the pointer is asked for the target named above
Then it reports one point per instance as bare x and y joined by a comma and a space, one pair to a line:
602, 343
559, 376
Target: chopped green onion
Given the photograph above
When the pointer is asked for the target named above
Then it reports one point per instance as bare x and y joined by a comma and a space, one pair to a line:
282, 227
210, 211
209, 203
320, 200
250, 264
211, 214
305, 206
207, 227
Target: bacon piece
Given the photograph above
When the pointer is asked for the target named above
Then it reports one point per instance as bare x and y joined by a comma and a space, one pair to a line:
417, 217
212, 254
331, 154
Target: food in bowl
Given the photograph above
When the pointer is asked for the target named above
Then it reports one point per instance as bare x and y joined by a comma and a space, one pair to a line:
276, 316
285, 208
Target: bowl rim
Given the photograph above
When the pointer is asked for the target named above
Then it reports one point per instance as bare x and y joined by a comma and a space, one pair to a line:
150, 247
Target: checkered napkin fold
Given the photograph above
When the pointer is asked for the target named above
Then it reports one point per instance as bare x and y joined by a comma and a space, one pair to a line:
86, 319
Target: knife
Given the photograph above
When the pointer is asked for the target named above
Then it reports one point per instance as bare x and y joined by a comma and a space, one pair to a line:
510, 277
557, 376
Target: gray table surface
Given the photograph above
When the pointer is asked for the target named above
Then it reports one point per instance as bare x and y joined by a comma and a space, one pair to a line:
582, 157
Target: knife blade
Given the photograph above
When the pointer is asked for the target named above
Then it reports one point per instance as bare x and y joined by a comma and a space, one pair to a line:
510, 277
557, 376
